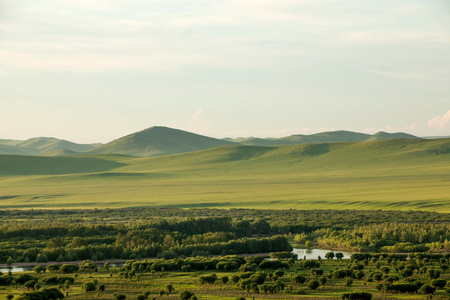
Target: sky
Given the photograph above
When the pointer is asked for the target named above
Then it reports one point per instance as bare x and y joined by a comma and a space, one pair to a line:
95, 70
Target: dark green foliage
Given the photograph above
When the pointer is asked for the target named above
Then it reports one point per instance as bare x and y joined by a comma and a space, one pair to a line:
88, 286
69, 268
283, 255
208, 279
356, 296
308, 264
53, 268
58, 280
299, 279
406, 272
427, 289
273, 264
22, 278
316, 272
313, 284
439, 283
185, 295
433, 273
258, 278
45, 294
403, 287
119, 296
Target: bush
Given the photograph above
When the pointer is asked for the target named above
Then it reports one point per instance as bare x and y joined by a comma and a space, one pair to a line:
313, 284
404, 287
88, 286
356, 296
185, 295
438, 283
427, 289
299, 279
68, 268
119, 296
44, 294
208, 279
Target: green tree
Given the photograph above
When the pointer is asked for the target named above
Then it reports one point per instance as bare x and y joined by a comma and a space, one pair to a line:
185, 295
339, 255
88, 286
313, 284
119, 296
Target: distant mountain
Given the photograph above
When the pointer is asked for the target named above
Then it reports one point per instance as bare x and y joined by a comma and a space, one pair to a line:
323, 137
158, 141
385, 135
41, 145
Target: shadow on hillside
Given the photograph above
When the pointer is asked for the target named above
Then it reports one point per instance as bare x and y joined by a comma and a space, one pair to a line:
34, 165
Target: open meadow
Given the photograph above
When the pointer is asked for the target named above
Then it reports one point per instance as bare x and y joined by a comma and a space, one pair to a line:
400, 174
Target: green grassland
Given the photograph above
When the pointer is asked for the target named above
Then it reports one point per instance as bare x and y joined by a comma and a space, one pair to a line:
399, 174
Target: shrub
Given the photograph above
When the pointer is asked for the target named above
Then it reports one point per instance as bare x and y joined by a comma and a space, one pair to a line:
119, 296
313, 284
427, 289
185, 295
299, 279
356, 296
88, 286
438, 283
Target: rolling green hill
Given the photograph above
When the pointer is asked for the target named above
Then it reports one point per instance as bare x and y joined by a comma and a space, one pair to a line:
403, 174
157, 141
41, 145
323, 137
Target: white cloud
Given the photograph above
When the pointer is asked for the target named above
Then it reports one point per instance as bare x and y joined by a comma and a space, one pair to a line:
199, 123
440, 122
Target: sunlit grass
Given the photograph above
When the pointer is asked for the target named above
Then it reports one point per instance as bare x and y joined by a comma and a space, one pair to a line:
395, 174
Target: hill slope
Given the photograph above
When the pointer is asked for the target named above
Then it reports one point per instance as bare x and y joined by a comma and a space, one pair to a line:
157, 141
323, 137
41, 145
400, 174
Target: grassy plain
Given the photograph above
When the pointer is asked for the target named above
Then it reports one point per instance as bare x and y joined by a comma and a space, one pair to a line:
399, 174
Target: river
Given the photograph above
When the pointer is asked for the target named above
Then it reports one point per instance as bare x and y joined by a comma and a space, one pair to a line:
302, 253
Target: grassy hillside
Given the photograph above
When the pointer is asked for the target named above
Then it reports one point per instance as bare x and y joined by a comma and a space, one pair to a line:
404, 174
41, 145
157, 141
323, 137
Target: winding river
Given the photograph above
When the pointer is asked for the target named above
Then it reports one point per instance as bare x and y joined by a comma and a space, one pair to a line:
302, 254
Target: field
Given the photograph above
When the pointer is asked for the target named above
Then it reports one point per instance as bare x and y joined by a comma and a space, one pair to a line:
395, 174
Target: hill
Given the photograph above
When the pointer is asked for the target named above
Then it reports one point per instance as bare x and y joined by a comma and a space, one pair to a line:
41, 145
399, 174
158, 141
323, 137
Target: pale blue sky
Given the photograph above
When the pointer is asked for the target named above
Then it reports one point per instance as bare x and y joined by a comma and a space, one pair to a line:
95, 70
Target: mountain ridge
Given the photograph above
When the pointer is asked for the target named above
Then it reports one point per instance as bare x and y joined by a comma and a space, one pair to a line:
160, 140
